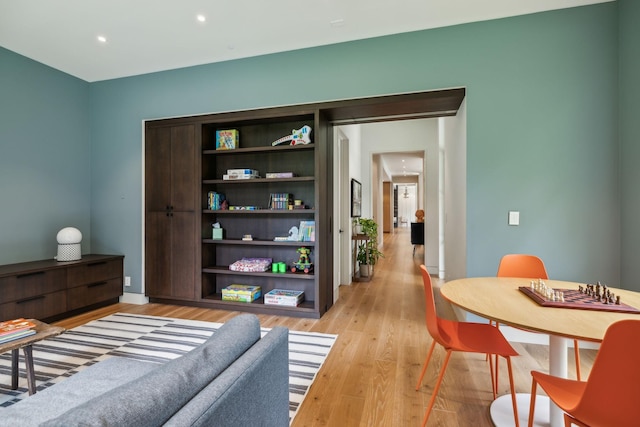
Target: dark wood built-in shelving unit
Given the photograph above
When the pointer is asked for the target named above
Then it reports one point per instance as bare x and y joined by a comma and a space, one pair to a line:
257, 130
184, 265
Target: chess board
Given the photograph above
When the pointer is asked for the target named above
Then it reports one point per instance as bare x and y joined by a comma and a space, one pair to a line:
573, 298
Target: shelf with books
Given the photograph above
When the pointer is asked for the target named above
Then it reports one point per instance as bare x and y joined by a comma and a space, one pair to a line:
259, 149
254, 181
259, 211
270, 192
258, 242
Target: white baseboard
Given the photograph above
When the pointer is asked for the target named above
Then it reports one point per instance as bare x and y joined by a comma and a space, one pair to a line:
131, 298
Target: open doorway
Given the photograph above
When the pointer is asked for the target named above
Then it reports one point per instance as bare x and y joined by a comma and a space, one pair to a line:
440, 190
406, 203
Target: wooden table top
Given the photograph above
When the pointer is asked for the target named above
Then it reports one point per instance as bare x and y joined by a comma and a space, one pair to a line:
43, 331
498, 298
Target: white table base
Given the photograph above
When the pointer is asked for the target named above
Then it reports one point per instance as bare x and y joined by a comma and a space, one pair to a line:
547, 414
502, 411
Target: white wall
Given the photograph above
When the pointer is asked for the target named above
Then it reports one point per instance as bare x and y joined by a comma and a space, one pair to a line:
405, 135
454, 132
352, 132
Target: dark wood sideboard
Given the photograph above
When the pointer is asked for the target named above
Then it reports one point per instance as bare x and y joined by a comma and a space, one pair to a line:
49, 290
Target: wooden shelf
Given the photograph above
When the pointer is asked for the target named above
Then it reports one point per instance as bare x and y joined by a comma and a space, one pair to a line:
287, 275
259, 180
255, 242
260, 211
304, 309
268, 148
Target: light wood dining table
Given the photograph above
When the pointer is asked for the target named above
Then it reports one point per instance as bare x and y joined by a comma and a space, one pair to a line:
499, 299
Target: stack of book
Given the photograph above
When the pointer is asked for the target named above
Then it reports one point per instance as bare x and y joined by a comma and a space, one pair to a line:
307, 231
240, 174
17, 328
283, 297
215, 200
280, 201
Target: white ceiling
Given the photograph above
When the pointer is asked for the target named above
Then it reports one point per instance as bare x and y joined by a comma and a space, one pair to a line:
145, 36
403, 166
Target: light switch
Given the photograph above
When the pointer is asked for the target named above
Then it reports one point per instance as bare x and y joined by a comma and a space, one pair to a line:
514, 217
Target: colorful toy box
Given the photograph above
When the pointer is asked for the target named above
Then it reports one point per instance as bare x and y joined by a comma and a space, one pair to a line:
241, 293
227, 139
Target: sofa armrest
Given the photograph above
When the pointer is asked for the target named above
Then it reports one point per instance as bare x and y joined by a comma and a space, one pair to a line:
253, 391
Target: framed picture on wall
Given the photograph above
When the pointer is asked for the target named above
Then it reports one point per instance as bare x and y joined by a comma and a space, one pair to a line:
356, 198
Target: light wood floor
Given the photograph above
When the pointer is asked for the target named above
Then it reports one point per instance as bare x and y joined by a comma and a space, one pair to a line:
370, 375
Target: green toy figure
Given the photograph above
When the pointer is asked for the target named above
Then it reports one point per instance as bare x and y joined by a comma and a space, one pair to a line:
304, 262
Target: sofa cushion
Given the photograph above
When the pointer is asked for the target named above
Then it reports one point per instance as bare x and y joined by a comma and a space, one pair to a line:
153, 398
90, 382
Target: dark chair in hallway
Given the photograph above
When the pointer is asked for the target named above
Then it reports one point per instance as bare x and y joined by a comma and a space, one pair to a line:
417, 234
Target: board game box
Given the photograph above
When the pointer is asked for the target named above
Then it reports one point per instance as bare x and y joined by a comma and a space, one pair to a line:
253, 265
227, 139
241, 293
283, 297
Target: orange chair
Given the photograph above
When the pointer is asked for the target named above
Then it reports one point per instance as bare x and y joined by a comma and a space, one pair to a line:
462, 336
610, 396
530, 266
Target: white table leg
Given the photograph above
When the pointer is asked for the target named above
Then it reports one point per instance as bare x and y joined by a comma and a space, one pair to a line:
546, 413
558, 368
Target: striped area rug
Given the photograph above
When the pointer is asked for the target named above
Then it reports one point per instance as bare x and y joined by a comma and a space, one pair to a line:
151, 339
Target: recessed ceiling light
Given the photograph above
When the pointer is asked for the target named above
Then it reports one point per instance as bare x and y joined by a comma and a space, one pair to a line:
201, 18
102, 39
337, 22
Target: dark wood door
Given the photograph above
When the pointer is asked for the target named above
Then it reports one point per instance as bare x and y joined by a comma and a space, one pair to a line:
171, 184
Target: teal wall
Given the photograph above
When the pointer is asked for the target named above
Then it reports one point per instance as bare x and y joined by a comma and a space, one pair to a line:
542, 125
44, 158
630, 140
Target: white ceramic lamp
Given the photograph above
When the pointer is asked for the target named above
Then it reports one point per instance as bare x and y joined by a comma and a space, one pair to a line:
69, 239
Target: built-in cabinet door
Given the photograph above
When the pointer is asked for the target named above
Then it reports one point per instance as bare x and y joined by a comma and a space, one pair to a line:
170, 219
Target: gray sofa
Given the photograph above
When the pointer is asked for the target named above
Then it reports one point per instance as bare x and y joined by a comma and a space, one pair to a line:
233, 379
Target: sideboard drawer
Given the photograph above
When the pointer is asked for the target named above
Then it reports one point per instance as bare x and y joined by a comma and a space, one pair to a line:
93, 272
49, 290
37, 307
29, 284
93, 293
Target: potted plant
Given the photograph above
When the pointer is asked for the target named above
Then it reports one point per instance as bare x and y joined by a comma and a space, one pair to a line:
356, 227
368, 252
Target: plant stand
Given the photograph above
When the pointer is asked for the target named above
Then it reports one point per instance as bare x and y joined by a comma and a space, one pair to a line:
357, 277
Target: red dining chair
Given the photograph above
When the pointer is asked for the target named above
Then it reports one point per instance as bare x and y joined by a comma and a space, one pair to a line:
532, 267
610, 396
462, 336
